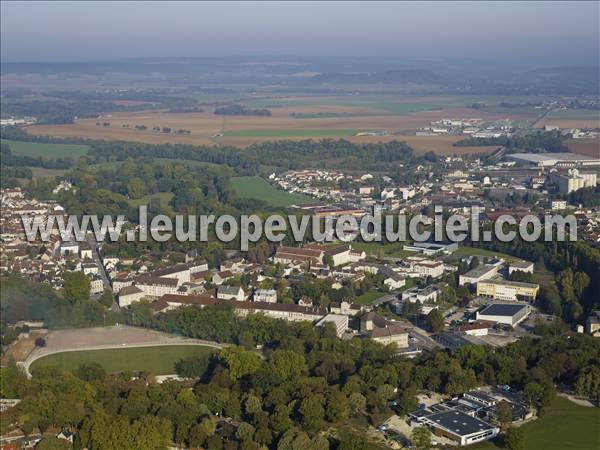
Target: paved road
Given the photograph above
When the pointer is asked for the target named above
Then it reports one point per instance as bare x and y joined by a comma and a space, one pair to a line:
422, 340
91, 240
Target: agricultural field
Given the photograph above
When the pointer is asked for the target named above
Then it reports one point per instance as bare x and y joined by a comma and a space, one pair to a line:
564, 426
572, 118
158, 360
285, 134
44, 149
258, 189
299, 117
589, 147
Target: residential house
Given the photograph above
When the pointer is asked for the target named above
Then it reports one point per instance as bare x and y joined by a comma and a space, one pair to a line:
231, 293
265, 295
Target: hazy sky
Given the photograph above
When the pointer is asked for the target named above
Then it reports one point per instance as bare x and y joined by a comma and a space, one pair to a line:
66, 31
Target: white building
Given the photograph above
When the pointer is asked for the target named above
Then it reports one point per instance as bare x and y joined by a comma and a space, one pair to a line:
157, 286
394, 281
130, 294
69, 248
340, 322
427, 294
265, 295
96, 284
231, 293
573, 180
90, 268
120, 283
521, 266
479, 273
434, 269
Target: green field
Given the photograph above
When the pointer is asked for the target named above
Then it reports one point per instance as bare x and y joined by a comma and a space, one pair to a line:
581, 114
564, 426
42, 149
291, 133
156, 360
368, 297
163, 197
387, 104
258, 189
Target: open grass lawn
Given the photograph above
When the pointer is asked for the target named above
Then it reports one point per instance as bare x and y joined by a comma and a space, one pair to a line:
368, 297
565, 426
42, 149
258, 189
156, 360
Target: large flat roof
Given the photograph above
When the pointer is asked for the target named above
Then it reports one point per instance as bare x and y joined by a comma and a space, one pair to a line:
502, 309
459, 423
480, 271
503, 282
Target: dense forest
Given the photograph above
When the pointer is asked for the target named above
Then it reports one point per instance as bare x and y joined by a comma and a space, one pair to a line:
588, 197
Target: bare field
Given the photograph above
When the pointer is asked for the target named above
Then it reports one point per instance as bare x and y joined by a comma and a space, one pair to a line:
90, 337
569, 123
206, 127
572, 118
588, 147
22, 348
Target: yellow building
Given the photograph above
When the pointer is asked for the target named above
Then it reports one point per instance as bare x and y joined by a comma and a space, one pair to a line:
507, 290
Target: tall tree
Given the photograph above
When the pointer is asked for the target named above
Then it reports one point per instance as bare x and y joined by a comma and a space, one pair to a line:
76, 286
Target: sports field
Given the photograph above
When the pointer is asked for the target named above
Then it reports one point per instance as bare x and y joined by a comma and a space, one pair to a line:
43, 149
258, 189
564, 426
158, 360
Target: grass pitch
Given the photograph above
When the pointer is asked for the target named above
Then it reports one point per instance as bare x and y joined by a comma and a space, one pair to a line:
159, 360
564, 426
